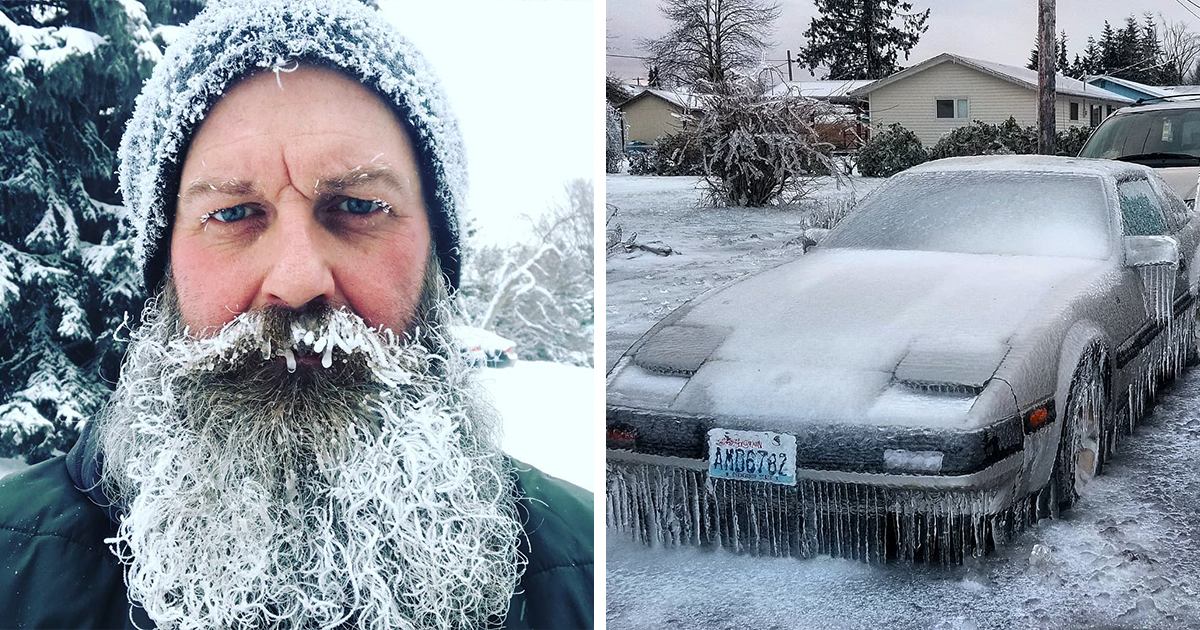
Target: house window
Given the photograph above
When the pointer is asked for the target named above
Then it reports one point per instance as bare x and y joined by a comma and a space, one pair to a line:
952, 108
1109, 112
1097, 111
1074, 111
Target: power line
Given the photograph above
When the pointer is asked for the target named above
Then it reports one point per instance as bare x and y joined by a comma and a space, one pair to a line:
782, 61
1188, 9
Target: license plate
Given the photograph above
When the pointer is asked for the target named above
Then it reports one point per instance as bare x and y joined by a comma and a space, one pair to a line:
752, 456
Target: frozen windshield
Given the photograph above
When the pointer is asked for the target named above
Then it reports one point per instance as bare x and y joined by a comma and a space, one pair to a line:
1158, 137
979, 212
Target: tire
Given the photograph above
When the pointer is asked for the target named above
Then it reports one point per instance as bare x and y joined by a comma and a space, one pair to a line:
1081, 453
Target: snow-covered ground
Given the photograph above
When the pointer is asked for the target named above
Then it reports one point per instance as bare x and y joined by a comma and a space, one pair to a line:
1127, 556
547, 410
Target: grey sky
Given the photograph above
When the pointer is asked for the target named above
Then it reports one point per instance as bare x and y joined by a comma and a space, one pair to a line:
995, 30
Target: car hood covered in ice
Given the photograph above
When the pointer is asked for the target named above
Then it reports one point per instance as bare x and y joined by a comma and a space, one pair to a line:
844, 335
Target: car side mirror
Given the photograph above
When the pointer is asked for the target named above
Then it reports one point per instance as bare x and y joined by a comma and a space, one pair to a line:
1144, 251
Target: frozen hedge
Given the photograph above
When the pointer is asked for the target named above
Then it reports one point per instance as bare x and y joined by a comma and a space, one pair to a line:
891, 151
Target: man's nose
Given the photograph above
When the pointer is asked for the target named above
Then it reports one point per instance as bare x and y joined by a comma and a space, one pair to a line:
300, 271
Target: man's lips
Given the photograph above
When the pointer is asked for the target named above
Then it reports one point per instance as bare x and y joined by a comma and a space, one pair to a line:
306, 359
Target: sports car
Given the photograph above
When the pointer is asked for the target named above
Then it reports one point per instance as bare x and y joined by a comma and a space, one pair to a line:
956, 359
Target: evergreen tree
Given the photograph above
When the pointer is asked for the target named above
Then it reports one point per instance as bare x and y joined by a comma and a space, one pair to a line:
1128, 61
1092, 58
861, 39
1151, 53
69, 76
1108, 50
1060, 54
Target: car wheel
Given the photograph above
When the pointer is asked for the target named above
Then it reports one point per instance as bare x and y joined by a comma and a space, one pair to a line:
1081, 453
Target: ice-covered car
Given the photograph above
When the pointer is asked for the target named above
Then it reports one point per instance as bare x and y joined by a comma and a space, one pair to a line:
482, 347
955, 359
1163, 135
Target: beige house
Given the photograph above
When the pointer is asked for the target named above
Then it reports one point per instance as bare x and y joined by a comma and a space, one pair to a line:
654, 113
948, 91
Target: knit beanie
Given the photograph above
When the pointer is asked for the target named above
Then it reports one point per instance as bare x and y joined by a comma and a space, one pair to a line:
232, 39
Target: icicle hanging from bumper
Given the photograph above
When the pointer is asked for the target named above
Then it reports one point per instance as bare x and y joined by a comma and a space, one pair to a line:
670, 506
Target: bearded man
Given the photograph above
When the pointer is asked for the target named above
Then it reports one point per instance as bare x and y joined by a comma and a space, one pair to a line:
293, 441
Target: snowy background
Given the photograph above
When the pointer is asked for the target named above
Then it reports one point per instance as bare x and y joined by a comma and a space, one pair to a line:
519, 76
1126, 556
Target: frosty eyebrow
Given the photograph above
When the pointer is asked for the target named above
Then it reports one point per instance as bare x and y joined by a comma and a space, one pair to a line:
340, 184
325, 186
230, 187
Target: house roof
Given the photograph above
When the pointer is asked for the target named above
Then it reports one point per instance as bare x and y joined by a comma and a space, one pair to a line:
1023, 77
1151, 90
819, 89
682, 100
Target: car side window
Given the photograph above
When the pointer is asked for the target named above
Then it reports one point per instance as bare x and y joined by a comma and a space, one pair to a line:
1177, 211
1141, 211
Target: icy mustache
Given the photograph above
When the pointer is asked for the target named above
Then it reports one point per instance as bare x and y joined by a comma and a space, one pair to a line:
333, 335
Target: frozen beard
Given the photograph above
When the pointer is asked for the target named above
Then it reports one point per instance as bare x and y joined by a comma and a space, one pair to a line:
365, 488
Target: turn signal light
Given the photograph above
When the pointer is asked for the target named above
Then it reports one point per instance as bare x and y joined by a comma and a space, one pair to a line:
1039, 416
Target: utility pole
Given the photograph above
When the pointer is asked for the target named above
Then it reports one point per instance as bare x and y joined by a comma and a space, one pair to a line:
1046, 58
789, 58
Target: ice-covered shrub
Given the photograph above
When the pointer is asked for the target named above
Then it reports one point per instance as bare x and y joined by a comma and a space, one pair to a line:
891, 151
1015, 138
977, 138
676, 154
639, 163
980, 138
1070, 140
759, 149
614, 139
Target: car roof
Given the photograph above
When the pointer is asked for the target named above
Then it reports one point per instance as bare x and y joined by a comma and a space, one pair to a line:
1186, 103
1034, 163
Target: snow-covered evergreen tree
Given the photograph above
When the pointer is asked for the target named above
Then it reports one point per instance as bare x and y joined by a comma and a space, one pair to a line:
69, 74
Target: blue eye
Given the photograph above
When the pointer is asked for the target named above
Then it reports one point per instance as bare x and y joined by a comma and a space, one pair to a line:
231, 215
360, 206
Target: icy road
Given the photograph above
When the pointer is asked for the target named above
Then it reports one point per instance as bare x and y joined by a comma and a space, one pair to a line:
1127, 556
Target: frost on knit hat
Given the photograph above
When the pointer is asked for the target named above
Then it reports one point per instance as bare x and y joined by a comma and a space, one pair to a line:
232, 39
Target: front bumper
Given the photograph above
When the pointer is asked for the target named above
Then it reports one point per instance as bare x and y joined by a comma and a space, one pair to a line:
971, 459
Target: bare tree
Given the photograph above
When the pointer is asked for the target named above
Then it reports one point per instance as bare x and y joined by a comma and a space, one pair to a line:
540, 294
710, 38
1180, 49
